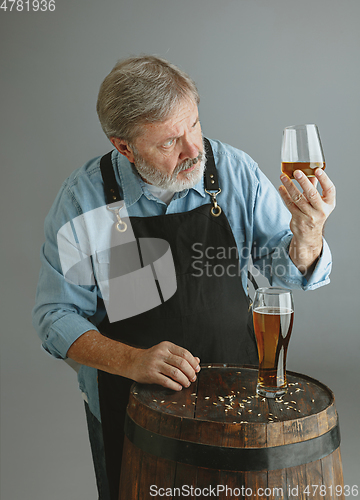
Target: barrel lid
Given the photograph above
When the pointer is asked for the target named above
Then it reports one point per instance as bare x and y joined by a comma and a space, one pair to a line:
224, 393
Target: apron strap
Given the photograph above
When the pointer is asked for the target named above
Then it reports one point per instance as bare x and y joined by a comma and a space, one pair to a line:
210, 174
111, 187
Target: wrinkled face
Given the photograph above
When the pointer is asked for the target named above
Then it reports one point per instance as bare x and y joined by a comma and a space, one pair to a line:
191, 171
170, 154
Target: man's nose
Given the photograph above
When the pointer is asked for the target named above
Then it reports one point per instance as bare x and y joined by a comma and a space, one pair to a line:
188, 150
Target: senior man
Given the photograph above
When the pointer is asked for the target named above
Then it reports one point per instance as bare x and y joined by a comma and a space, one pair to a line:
165, 182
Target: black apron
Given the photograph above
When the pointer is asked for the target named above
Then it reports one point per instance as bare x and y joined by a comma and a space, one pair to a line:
208, 314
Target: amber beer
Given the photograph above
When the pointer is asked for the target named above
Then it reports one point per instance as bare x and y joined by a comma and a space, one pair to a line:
288, 167
273, 327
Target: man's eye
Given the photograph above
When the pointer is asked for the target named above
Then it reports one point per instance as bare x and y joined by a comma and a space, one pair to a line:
169, 143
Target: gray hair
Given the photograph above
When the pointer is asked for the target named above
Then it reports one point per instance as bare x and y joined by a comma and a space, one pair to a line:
140, 90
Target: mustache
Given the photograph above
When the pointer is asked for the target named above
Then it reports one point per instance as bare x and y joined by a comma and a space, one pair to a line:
189, 163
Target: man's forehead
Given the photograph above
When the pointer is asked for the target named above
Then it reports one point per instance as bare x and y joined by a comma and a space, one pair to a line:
184, 116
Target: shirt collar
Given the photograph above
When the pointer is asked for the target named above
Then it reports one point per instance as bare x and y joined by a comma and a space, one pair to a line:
129, 180
133, 185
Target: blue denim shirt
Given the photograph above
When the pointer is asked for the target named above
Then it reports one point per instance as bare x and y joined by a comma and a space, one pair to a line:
257, 216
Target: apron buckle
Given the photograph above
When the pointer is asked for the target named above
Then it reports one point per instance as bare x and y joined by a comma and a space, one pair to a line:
121, 226
215, 209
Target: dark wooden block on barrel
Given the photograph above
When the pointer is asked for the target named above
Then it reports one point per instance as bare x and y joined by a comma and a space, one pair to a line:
219, 439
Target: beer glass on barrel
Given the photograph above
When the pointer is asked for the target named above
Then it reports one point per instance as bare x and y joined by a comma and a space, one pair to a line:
301, 150
273, 313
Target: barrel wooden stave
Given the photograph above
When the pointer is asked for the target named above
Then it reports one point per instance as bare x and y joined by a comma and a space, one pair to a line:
130, 488
278, 485
332, 470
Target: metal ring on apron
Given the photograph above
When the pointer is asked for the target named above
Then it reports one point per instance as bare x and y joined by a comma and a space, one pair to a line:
216, 214
215, 210
124, 225
120, 222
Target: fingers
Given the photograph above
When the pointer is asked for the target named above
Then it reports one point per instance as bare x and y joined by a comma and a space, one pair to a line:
181, 365
291, 202
305, 201
310, 197
328, 187
313, 181
308, 185
168, 365
184, 357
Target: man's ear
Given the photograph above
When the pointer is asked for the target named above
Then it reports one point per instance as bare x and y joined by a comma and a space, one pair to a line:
123, 148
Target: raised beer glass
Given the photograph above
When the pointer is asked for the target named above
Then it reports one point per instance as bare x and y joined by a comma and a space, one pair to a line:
301, 150
273, 312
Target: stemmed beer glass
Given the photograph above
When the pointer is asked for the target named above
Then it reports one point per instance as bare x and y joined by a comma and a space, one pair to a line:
301, 150
273, 313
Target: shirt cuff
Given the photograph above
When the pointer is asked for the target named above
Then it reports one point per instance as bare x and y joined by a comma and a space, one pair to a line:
64, 332
285, 273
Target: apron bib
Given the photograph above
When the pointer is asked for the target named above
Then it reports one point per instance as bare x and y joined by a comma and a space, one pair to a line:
209, 314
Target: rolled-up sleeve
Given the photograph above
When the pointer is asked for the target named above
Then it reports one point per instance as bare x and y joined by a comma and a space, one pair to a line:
285, 273
62, 309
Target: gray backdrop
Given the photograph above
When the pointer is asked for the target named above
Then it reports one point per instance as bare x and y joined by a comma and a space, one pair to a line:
260, 65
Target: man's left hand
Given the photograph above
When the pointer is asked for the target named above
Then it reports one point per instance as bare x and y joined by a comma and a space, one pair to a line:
309, 212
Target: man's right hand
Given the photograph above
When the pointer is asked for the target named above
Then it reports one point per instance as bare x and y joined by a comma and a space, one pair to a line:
165, 364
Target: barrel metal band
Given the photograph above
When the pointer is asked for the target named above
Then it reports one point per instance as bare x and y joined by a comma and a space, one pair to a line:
230, 458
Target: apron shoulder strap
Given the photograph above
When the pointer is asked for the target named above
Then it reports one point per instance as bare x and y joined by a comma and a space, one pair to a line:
111, 187
210, 175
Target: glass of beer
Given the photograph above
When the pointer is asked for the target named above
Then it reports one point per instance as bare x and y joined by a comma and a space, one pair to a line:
301, 150
273, 313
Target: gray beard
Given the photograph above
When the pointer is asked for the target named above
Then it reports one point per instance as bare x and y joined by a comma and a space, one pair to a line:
169, 181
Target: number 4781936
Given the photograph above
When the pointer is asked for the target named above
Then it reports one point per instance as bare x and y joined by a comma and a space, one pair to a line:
27, 5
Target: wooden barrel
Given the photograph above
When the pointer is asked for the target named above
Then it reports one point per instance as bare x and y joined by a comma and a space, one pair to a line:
219, 439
